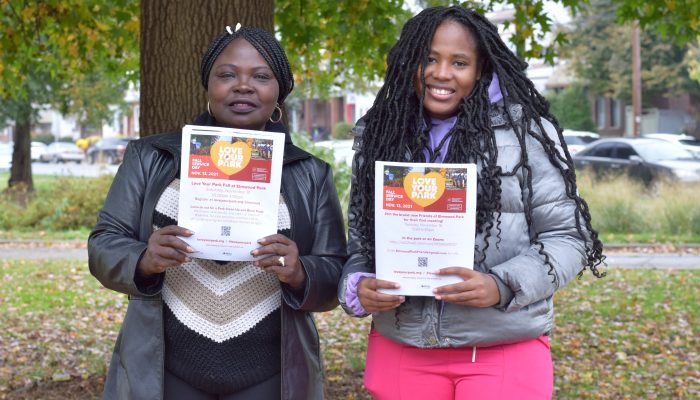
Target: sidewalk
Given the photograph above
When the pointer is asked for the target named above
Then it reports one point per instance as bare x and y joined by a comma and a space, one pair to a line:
621, 256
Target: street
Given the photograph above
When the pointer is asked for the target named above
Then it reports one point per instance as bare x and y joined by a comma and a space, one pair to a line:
72, 169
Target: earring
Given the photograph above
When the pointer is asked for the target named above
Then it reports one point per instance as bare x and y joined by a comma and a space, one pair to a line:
277, 108
209, 108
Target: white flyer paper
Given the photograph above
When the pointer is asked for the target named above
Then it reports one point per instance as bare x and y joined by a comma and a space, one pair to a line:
425, 217
229, 189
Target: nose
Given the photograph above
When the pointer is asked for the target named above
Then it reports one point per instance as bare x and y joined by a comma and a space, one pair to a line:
242, 84
442, 71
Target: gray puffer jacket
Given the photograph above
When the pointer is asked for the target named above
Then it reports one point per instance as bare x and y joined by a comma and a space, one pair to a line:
525, 310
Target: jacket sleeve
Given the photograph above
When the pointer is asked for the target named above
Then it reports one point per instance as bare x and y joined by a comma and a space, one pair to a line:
328, 250
114, 249
357, 261
527, 277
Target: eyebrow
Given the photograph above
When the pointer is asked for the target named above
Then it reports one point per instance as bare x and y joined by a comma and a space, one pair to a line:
258, 68
454, 55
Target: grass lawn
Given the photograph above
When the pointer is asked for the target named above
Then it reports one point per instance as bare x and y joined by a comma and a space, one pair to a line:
631, 335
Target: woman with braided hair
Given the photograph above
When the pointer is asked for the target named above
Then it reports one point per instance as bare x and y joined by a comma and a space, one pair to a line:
204, 329
455, 93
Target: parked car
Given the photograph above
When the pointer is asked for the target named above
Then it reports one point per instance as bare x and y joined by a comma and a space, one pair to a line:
62, 152
578, 140
37, 150
688, 142
107, 150
342, 149
5, 157
639, 158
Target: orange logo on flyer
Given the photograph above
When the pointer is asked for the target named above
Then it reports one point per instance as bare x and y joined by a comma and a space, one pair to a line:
424, 189
230, 158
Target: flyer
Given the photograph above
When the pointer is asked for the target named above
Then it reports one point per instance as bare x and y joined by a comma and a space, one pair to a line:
229, 189
425, 217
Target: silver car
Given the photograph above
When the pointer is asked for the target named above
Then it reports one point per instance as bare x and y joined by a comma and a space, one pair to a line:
639, 158
62, 152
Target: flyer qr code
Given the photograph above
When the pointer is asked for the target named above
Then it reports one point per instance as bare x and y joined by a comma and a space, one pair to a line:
225, 231
422, 261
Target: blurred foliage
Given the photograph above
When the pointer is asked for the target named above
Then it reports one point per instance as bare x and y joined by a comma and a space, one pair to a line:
338, 44
341, 131
620, 206
69, 54
342, 173
572, 108
601, 53
63, 204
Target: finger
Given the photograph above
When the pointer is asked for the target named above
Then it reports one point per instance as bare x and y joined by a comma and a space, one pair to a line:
173, 242
273, 248
464, 298
175, 230
373, 283
276, 238
452, 288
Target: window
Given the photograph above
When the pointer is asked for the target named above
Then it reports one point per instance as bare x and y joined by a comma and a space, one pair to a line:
624, 152
602, 150
615, 113
600, 112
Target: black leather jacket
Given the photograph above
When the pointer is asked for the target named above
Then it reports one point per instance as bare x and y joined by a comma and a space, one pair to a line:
120, 238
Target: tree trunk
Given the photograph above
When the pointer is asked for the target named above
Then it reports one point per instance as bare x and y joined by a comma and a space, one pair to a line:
21, 171
174, 36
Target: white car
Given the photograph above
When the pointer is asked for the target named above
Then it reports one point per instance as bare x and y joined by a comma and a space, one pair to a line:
5, 157
342, 149
62, 152
37, 150
688, 142
578, 140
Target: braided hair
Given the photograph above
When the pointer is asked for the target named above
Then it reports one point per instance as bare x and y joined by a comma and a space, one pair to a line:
395, 129
268, 47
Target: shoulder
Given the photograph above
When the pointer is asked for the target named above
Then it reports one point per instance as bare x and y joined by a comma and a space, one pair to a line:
168, 141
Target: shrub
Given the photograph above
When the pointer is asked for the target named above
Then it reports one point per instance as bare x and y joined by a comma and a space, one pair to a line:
342, 131
70, 203
572, 108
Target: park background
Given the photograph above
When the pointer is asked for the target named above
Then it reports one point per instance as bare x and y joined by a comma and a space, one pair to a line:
632, 334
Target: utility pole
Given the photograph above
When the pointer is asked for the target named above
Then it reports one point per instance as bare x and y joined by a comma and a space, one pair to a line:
636, 82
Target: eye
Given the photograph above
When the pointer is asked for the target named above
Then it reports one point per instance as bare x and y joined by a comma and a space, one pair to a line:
460, 64
263, 77
226, 75
432, 60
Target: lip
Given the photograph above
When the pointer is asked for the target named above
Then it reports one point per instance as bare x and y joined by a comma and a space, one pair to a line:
440, 92
242, 105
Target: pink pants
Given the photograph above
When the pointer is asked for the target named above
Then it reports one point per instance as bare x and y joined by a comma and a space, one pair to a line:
514, 371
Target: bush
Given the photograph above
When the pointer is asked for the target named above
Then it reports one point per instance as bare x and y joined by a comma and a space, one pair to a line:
341, 171
69, 203
342, 131
572, 108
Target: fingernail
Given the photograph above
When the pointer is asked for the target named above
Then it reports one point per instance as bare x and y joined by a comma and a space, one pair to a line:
187, 259
438, 297
253, 252
190, 232
189, 249
260, 241
402, 299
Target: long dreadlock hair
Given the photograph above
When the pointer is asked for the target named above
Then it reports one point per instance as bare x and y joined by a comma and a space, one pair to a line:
395, 128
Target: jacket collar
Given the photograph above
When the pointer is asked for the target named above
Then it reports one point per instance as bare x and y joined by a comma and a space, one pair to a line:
173, 143
499, 117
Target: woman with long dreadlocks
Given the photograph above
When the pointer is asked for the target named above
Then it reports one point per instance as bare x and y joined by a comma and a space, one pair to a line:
455, 93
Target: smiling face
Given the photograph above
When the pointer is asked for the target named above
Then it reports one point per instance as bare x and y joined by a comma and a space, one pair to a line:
451, 72
243, 90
